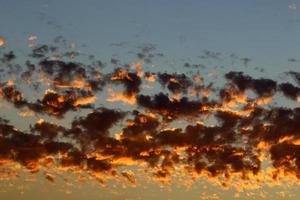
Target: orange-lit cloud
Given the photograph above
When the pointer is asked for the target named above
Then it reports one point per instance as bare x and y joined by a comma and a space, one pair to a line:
184, 127
2, 41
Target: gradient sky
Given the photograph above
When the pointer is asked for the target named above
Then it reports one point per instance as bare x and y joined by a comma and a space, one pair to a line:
265, 31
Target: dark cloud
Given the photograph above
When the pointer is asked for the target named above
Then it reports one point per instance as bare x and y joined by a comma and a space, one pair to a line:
99, 121
222, 133
172, 108
176, 83
7, 57
290, 90
52, 103
130, 80
70, 75
40, 51
262, 87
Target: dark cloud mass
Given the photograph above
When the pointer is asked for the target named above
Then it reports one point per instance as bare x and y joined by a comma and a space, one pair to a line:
171, 108
130, 80
175, 82
219, 131
262, 87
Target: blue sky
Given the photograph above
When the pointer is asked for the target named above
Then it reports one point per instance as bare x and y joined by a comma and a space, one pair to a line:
263, 30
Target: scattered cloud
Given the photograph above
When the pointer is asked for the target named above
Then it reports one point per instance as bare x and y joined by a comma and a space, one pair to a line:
184, 126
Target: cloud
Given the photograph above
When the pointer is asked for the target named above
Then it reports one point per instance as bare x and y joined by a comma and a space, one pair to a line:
222, 135
262, 86
172, 108
176, 83
130, 80
290, 91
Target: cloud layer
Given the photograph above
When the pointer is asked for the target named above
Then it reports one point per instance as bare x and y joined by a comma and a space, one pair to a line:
183, 126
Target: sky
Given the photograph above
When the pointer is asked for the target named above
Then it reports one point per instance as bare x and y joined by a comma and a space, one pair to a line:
145, 99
